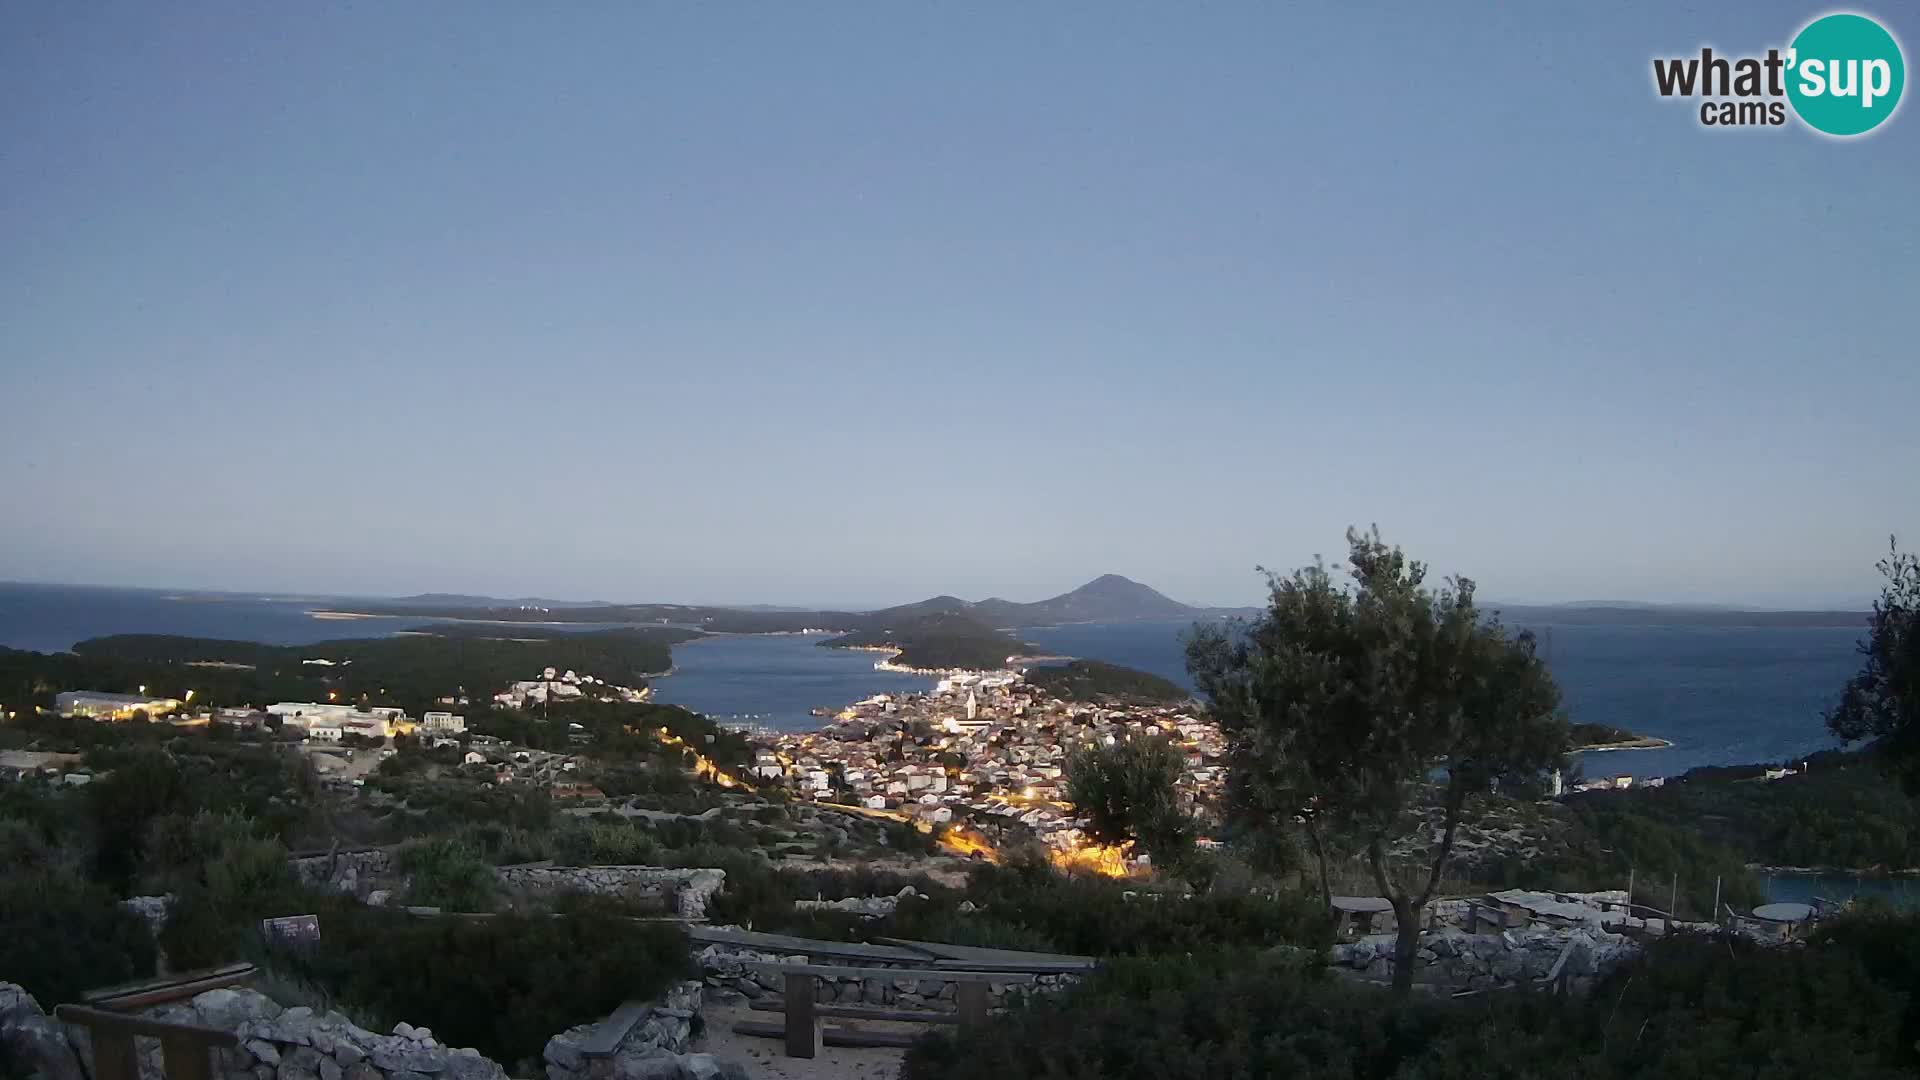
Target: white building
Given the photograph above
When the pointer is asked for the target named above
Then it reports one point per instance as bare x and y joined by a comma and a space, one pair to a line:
443, 722
103, 706
321, 730
339, 714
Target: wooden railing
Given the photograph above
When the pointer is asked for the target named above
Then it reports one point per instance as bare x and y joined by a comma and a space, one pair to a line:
185, 1048
800, 1030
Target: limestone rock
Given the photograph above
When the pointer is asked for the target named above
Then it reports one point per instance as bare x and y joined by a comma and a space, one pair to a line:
35, 1041
264, 1050
399, 1055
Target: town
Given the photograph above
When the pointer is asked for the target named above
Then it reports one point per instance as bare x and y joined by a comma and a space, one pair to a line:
986, 748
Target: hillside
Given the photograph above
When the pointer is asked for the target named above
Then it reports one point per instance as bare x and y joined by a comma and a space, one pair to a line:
1097, 681
411, 671
1107, 598
937, 640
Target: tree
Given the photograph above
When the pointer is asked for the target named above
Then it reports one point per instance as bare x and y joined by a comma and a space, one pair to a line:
1353, 709
1883, 700
1128, 792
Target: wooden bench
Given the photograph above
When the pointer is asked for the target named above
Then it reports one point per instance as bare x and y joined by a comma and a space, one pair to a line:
185, 984
184, 1048
970, 996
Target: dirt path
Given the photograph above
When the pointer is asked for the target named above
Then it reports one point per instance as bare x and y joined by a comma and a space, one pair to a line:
766, 1059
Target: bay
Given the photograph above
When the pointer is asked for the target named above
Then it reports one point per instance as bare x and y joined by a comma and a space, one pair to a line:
1720, 695
775, 680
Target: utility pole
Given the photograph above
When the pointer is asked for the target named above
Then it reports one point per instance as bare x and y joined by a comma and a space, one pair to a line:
1673, 902
1716, 898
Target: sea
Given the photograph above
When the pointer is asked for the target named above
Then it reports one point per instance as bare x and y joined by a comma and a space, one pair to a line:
1720, 695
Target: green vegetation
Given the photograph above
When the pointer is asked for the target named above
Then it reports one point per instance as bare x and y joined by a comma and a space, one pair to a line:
502, 985
61, 934
1690, 1008
1585, 735
1025, 904
1843, 812
1129, 794
1339, 704
942, 640
1094, 680
412, 671
1883, 701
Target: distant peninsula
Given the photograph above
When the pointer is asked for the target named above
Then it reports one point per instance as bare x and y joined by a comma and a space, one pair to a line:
1585, 737
937, 642
1098, 681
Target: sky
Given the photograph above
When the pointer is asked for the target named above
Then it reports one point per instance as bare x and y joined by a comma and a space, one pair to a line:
857, 303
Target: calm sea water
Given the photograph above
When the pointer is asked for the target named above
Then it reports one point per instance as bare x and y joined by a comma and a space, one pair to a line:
1721, 695
50, 618
774, 679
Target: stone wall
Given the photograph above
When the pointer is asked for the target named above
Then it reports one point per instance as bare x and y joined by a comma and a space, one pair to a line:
1456, 958
654, 1048
684, 892
867, 907
275, 1043
730, 981
358, 873
371, 876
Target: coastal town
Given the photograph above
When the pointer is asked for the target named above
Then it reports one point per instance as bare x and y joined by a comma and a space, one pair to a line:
980, 759
986, 748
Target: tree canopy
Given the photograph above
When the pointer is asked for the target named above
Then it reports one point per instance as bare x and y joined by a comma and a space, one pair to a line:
1883, 700
1351, 708
1128, 792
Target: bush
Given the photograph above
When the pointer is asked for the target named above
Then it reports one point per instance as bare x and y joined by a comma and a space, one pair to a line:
61, 935
448, 874
504, 984
1691, 1007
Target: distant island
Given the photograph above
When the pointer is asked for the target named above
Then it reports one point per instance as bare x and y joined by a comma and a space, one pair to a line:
1107, 598
1098, 681
412, 670
1602, 737
937, 642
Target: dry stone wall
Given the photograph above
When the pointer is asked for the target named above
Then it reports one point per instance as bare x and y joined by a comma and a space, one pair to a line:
372, 876
685, 892
1485, 961
729, 981
654, 1048
357, 873
300, 1044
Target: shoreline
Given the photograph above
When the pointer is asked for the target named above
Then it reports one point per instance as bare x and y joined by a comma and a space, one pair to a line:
1875, 874
1640, 742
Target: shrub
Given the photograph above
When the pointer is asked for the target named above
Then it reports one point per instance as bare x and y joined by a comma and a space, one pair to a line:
447, 873
1690, 1007
61, 935
503, 985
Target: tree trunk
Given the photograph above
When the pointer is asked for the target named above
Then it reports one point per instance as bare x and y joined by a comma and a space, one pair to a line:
1406, 948
1406, 913
1320, 856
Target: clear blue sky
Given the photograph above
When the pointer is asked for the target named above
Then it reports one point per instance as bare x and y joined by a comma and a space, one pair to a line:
855, 303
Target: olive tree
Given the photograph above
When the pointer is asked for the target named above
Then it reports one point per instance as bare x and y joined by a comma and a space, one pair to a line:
1354, 708
1129, 792
1883, 701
